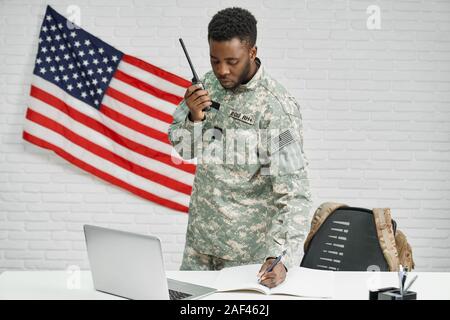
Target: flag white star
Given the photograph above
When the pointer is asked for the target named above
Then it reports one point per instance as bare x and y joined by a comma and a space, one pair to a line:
100, 50
48, 18
57, 79
87, 43
42, 70
77, 44
84, 94
114, 58
69, 87
73, 34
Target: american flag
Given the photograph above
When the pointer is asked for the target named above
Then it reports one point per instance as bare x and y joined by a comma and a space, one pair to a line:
107, 113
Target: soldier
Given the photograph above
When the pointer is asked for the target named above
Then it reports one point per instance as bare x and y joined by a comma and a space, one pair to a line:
251, 200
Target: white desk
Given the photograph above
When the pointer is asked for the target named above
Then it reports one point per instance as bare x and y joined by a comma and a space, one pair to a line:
348, 285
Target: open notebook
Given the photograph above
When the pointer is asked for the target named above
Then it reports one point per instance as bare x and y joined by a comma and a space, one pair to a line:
299, 281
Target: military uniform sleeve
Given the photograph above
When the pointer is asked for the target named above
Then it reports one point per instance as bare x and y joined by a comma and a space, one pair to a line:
287, 167
184, 134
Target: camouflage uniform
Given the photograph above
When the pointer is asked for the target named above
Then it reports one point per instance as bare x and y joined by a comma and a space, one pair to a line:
244, 211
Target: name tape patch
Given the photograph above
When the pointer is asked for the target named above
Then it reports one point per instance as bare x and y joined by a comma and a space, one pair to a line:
249, 119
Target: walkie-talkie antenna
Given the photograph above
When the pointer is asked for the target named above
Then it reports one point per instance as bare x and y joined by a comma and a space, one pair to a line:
195, 79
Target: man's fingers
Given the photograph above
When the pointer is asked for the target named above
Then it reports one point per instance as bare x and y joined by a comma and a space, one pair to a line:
264, 267
204, 105
269, 282
269, 275
191, 90
202, 99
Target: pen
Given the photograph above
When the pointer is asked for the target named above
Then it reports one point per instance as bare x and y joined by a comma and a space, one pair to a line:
405, 274
274, 263
411, 283
400, 279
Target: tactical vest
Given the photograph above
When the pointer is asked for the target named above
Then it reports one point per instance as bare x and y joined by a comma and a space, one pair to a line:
394, 245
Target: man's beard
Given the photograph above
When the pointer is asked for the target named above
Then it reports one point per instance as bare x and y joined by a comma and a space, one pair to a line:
242, 77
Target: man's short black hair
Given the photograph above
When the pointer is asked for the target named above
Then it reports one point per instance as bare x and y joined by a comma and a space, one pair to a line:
232, 23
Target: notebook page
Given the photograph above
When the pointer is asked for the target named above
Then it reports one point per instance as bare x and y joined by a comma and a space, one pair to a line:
307, 283
240, 278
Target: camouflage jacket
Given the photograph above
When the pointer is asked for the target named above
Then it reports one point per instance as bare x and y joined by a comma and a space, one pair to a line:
251, 197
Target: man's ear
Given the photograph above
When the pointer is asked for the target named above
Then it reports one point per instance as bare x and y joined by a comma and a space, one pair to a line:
253, 52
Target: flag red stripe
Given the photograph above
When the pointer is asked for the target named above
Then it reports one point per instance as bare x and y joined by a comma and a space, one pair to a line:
137, 126
61, 105
101, 128
141, 85
105, 176
138, 105
156, 71
106, 154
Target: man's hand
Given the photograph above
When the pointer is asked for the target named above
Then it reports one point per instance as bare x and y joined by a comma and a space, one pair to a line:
273, 278
197, 100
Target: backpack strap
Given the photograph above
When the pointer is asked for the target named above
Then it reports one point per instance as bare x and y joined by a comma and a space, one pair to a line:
385, 232
321, 214
404, 250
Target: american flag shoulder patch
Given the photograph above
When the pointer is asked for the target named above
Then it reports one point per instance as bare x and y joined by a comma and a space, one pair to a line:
282, 140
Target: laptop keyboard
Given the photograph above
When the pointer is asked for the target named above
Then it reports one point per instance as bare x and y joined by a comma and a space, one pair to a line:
177, 295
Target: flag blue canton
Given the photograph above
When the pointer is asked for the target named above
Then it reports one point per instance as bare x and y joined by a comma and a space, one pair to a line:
74, 60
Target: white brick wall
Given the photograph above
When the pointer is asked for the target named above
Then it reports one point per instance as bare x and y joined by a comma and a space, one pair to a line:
375, 107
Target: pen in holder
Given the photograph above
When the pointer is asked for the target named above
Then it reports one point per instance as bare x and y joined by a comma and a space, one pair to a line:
392, 293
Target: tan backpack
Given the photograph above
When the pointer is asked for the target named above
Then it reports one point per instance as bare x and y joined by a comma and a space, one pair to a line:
394, 245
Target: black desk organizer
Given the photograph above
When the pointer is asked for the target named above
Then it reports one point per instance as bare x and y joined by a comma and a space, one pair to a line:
391, 293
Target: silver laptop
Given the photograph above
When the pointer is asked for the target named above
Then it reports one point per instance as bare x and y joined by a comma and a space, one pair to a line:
131, 265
